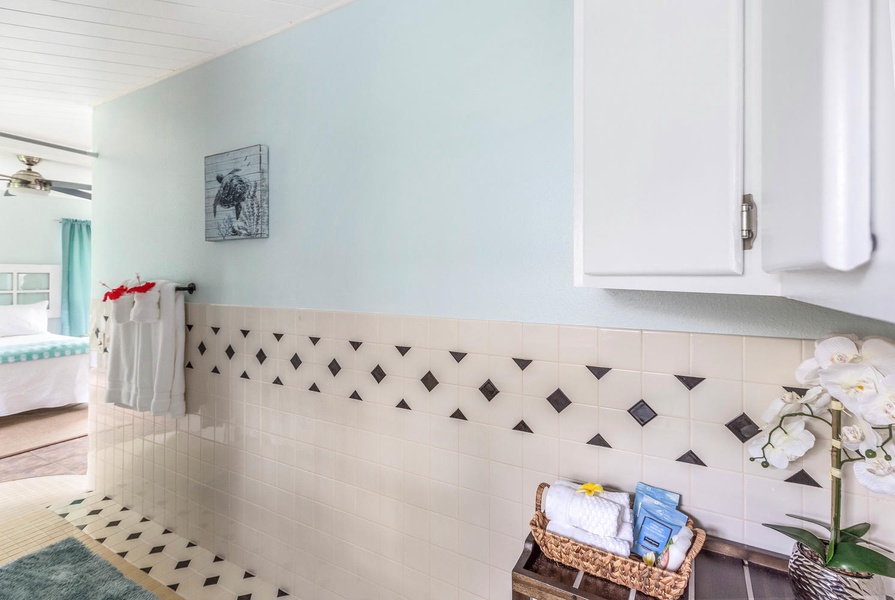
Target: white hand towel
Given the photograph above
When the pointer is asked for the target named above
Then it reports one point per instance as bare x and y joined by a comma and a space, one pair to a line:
168, 388
626, 532
623, 499
146, 307
609, 544
121, 309
591, 513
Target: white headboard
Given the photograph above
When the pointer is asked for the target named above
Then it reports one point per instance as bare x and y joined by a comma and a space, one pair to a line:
26, 284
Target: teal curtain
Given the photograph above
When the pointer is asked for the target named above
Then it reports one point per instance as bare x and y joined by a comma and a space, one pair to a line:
75, 277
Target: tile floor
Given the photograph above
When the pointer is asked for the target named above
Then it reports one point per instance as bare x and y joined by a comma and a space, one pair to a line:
192, 572
65, 458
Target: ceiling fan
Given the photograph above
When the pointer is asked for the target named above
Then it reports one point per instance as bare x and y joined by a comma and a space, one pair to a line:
28, 182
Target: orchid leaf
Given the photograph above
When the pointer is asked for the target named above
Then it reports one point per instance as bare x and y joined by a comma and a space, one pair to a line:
810, 520
852, 539
857, 530
800, 535
852, 557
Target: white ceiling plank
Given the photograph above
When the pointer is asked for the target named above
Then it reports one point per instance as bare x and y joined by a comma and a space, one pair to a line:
248, 24
64, 60
267, 9
30, 92
118, 18
112, 32
9, 33
50, 70
17, 77
48, 48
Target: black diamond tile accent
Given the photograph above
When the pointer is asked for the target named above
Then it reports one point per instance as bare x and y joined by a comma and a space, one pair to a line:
188, 326
314, 340
355, 345
743, 427
218, 559
144, 520
113, 524
211, 581
146, 570
95, 511
81, 527
134, 536
100, 540
402, 404
355, 396
80, 500
403, 349
598, 372
277, 381
281, 593
189, 365
522, 363
215, 370
378, 374
215, 330
63, 515
296, 361
182, 565
156, 549
489, 390
803, 478
190, 545
261, 356
166, 531
459, 415
174, 586
229, 352
96, 332
202, 348
522, 426
599, 440
642, 413
245, 332
279, 336
122, 554
125, 509
334, 367
429, 381
314, 388
244, 375
245, 596
558, 400
247, 575
105, 350
690, 457
797, 390
458, 356
690, 382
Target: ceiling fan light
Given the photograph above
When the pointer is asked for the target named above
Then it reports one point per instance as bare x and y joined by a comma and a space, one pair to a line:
37, 187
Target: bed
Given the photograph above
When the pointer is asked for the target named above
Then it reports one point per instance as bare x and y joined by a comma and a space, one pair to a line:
38, 369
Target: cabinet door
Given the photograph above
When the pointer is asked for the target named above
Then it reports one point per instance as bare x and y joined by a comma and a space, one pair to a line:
659, 137
816, 134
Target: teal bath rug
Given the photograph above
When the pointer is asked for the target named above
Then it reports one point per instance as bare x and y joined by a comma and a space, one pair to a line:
67, 570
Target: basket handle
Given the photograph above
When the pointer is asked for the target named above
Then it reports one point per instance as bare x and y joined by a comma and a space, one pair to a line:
538, 495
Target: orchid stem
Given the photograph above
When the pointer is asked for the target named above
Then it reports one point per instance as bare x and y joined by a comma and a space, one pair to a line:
836, 487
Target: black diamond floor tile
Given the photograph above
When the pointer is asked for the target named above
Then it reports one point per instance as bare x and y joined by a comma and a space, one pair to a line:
211, 581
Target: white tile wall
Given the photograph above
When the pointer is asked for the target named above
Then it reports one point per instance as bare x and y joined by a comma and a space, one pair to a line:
332, 497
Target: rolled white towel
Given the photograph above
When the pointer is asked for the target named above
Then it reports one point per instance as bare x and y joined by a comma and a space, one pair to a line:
626, 532
146, 307
623, 499
609, 544
596, 515
556, 500
121, 308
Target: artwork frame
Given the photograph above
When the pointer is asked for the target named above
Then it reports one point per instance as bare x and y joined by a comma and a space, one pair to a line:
236, 195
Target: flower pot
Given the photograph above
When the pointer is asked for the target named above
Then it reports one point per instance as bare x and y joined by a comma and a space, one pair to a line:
812, 580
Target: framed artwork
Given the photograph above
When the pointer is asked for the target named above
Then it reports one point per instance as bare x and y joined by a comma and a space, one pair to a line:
236, 189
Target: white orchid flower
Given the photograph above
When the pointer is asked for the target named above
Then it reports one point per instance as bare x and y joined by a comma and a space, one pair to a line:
791, 402
851, 384
876, 474
808, 373
837, 349
880, 354
860, 436
879, 409
785, 444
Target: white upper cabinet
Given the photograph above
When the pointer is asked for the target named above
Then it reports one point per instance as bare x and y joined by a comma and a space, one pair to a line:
816, 134
682, 107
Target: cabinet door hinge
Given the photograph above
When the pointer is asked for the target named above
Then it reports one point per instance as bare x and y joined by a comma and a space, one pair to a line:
748, 221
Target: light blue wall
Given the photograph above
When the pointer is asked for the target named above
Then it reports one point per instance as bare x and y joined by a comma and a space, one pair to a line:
420, 163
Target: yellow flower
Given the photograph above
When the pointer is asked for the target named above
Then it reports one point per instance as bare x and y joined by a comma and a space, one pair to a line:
590, 489
649, 559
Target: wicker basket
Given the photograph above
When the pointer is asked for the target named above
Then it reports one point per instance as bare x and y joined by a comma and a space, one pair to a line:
628, 572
